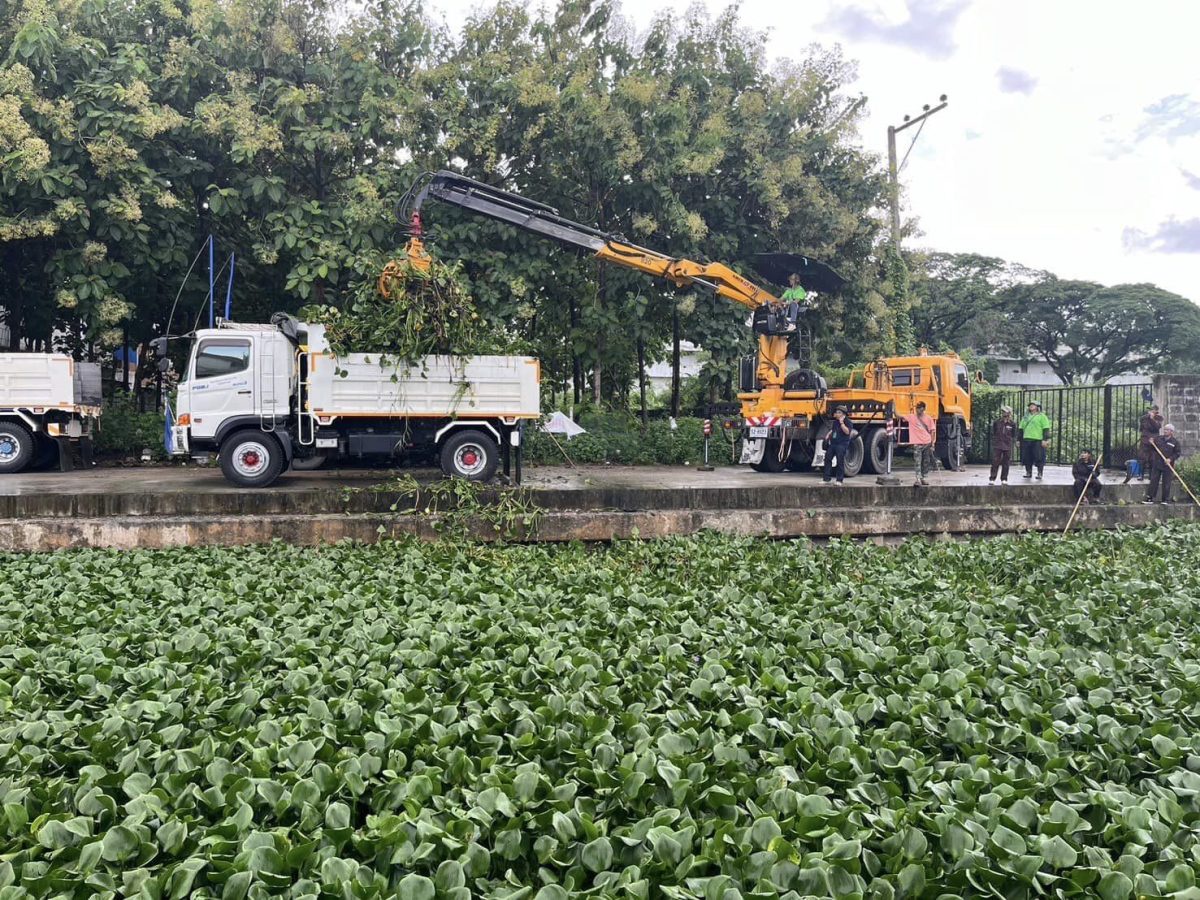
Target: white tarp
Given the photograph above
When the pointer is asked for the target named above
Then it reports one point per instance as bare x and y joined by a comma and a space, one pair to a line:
560, 423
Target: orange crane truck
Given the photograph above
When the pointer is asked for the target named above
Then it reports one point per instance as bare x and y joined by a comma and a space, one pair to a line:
786, 406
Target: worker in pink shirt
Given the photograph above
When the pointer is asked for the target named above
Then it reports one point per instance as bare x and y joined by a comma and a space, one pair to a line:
922, 433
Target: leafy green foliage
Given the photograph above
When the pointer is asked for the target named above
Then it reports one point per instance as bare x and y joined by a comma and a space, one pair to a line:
621, 440
125, 430
416, 314
708, 717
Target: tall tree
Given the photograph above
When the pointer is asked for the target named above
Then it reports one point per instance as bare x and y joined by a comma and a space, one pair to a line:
1089, 333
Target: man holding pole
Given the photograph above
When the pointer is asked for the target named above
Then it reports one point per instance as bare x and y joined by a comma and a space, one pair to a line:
1086, 475
1150, 426
1167, 450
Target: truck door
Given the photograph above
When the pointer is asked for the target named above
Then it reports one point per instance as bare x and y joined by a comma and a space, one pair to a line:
220, 385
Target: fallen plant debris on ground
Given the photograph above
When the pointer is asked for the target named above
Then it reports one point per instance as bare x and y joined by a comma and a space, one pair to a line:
706, 717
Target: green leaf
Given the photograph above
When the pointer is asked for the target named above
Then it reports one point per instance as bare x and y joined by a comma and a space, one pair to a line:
1058, 853
416, 887
1008, 840
119, 843
337, 816
236, 886
597, 855
1115, 886
763, 831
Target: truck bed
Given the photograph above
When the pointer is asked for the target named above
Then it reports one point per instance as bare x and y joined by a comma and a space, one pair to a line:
358, 385
48, 380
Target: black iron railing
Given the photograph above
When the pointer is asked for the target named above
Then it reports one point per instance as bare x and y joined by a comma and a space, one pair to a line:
1103, 418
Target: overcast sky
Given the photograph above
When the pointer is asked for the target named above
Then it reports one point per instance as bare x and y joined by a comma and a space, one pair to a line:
1072, 138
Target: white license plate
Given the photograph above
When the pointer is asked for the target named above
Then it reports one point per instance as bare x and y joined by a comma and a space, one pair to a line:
759, 431
327, 442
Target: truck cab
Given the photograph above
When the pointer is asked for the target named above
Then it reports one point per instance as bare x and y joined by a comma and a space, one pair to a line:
235, 377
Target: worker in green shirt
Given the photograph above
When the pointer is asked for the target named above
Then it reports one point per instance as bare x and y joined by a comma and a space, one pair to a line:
1035, 438
794, 293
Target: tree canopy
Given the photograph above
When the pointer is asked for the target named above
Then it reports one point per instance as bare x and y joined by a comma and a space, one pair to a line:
1084, 331
289, 129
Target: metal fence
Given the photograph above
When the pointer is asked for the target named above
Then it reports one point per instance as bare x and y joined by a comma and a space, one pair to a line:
1103, 418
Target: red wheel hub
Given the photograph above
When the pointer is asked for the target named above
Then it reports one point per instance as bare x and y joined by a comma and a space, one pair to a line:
470, 458
251, 458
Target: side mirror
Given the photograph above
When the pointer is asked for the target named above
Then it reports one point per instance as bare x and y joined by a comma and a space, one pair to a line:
164, 365
158, 346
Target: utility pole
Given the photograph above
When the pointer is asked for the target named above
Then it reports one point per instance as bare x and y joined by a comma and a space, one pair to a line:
894, 168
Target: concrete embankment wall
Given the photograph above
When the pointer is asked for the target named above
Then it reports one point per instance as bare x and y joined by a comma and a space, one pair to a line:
46, 521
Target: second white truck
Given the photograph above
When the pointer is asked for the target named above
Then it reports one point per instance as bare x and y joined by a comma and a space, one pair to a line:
47, 402
268, 397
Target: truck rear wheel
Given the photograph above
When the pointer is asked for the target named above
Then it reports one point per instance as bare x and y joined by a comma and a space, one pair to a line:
801, 457
875, 446
251, 459
770, 459
16, 447
471, 454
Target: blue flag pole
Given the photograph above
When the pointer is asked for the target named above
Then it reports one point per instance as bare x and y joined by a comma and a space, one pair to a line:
168, 421
229, 290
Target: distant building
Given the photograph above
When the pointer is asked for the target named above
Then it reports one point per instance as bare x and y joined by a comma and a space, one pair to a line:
691, 361
1037, 373
1016, 372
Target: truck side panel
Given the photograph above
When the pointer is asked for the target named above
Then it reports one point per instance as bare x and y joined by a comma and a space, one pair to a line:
36, 379
501, 386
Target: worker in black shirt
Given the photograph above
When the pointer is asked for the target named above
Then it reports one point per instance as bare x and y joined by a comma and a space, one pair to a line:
1167, 450
1086, 472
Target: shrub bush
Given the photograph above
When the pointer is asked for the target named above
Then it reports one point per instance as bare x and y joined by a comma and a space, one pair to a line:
124, 430
621, 440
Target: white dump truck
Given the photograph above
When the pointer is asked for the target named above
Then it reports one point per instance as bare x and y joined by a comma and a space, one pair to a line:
47, 402
266, 398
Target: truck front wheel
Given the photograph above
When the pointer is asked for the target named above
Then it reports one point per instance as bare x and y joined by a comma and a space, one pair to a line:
251, 459
16, 447
472, 455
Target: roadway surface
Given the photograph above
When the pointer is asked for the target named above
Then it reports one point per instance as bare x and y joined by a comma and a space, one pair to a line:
204, 479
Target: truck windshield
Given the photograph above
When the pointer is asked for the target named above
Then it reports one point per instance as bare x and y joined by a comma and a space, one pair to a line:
219, 356
960, 375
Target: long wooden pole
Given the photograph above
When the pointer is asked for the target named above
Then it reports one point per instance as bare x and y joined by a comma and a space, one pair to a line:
1171, 467
1083, 493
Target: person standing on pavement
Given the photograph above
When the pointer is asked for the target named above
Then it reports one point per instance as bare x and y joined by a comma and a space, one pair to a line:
922, 432
1086, 475
1004, 435
838, 445
1035, 438
1150, 425
1167, 450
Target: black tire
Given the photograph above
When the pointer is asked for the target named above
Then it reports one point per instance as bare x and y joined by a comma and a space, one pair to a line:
854, 457
801, 456
473, 455
308, 463
771, 462
17, 448
875, 446
954, 451
251, 458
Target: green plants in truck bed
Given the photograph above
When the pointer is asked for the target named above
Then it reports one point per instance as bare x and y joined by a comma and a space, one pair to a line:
708, 717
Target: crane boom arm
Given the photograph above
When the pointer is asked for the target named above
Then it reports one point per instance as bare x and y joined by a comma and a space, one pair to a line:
538, 218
